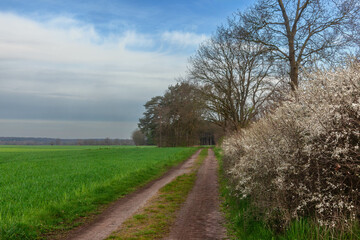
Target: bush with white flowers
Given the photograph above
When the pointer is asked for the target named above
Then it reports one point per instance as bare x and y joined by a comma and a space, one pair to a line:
303, 160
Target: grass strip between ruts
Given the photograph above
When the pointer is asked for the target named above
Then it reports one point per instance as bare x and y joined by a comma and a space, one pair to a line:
155, 219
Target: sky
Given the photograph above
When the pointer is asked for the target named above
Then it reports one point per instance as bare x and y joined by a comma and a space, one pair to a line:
84, 69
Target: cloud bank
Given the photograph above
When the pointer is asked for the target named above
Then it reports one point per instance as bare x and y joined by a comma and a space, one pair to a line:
65, 70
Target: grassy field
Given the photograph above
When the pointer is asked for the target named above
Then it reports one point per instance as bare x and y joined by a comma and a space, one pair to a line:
44, 189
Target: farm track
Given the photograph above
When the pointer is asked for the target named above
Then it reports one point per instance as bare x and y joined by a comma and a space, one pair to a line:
200, 217
112, 218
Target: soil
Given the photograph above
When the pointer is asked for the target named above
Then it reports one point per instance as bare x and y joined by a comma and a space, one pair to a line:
112, 218
200, 217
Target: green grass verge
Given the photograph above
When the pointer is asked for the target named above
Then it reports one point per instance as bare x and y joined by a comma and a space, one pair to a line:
243, 224
45, 189
155, 220
307, 230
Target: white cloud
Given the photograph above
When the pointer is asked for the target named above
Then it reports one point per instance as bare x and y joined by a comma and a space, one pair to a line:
184, 39
64, 55
64, 59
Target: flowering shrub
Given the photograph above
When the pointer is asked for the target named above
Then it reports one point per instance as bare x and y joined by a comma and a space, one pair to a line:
304, 158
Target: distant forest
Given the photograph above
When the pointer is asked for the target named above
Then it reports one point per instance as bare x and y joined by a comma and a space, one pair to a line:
58, 141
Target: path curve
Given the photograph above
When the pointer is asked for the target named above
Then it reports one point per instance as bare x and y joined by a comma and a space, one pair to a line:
112, 218
200, 217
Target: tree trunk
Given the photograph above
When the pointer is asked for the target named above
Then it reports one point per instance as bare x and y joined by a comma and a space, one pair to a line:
294, 75
294, 66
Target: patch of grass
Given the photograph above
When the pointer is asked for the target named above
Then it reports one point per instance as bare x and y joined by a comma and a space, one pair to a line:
242, 223
304, 229
45, 189
159, 214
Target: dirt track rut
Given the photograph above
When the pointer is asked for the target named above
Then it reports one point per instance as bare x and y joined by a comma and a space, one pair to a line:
200, 217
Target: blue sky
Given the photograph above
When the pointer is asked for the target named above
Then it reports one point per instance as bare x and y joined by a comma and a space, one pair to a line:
84, 69
145, 16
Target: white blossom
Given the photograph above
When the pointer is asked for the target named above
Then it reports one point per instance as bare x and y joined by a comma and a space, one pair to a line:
304, 157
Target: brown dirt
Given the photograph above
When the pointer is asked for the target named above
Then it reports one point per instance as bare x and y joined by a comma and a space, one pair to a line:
112, 218
200, 217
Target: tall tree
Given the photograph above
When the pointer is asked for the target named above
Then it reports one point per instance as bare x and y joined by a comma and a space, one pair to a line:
150, 123
173, 119
183, 114
234, 78
300, 31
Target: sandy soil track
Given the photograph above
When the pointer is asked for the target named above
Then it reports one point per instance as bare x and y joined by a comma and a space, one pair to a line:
112, 218
200, 217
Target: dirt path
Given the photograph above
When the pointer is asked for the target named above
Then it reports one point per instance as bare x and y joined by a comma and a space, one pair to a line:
200, 217
111, 219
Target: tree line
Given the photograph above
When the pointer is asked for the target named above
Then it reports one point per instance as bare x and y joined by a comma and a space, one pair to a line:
248, 65
176, 119
59, 141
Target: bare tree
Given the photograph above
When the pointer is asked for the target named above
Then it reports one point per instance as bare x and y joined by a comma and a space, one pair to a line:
300, 31
183, 111
234, 78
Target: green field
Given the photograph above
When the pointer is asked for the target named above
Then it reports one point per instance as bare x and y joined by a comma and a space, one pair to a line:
44, 189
